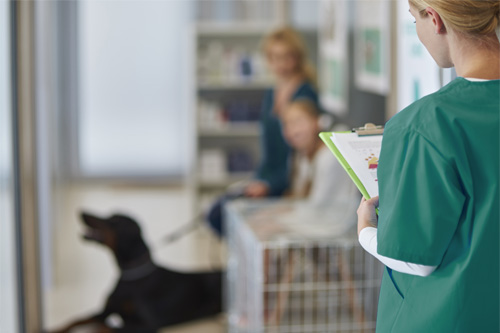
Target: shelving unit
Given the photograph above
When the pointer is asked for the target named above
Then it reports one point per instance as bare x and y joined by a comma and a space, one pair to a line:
234, 130
233, 86
230, 81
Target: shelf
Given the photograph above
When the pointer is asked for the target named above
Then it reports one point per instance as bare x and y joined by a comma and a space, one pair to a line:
224, 182
220, 29
232, 130
257, 85
247, 29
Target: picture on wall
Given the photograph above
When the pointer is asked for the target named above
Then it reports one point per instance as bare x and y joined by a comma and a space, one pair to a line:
372, 45
372, 57
333, 52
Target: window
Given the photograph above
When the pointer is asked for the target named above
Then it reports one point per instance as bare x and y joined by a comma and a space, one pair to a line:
132, 87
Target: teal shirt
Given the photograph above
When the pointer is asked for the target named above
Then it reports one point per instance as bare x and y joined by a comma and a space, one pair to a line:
439, 205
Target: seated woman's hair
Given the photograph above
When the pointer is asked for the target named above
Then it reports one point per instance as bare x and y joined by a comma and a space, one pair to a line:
294, 41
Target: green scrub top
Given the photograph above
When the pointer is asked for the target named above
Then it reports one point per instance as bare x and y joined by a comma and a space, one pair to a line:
439, 206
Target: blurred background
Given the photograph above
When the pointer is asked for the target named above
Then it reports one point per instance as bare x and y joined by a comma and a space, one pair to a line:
151, 108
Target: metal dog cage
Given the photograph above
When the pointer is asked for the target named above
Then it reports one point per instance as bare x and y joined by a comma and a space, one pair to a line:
281, 281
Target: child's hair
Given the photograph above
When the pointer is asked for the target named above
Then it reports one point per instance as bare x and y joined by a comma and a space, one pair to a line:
473, 17
307, 106
294, 41
324, 119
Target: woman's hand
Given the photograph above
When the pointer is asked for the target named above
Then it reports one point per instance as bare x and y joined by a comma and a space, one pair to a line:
367, 217
257, 189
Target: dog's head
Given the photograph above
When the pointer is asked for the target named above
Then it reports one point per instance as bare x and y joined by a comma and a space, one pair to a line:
120, 233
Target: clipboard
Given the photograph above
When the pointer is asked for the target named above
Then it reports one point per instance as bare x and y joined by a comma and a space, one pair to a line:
363, 133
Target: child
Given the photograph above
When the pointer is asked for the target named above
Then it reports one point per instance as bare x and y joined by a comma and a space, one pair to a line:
324, 196
323, 191
317, 177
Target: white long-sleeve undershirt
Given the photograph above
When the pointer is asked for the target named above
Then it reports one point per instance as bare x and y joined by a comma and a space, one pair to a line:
368, 240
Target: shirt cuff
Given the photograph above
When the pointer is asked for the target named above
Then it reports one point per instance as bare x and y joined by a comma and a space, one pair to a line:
368, 240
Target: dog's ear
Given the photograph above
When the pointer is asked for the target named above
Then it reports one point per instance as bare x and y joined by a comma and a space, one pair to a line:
125, 226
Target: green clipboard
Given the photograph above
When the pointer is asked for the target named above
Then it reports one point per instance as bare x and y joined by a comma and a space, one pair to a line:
325, 136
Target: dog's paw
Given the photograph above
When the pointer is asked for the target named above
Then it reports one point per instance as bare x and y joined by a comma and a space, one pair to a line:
60, 330
104, 329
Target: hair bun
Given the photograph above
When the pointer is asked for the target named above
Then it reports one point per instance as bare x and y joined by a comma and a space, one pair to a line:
467, 16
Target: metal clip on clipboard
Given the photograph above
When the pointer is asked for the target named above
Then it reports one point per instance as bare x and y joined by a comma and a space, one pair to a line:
369, 129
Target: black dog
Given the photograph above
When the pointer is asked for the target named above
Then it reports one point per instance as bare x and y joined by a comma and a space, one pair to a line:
146, 296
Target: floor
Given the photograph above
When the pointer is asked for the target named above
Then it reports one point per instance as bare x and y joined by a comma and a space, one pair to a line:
84, 273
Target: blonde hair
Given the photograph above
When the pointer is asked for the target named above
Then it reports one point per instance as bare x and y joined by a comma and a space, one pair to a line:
305, 105
294, 41
472, 17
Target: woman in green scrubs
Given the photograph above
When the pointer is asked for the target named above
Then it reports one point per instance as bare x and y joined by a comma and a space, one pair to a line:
438, 224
